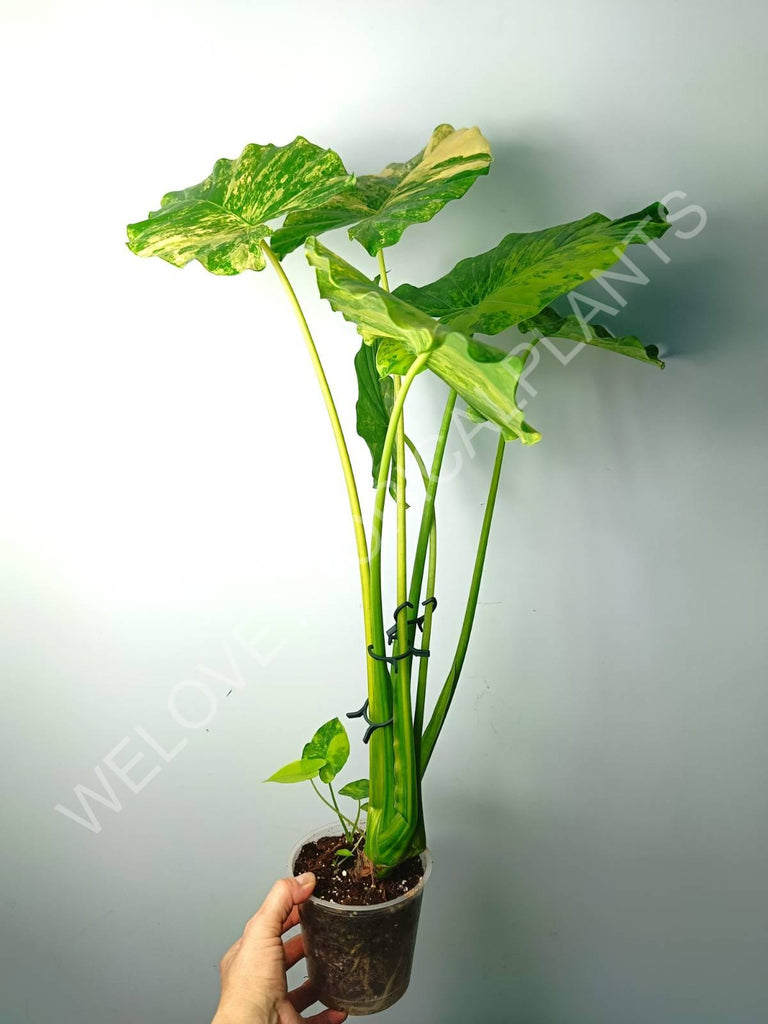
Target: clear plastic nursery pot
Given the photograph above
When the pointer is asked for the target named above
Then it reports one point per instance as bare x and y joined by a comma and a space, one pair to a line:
359, 957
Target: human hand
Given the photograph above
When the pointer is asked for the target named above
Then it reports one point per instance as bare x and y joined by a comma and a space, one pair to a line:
254, 989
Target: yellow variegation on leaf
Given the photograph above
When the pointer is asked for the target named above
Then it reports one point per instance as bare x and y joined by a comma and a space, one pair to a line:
485, 377
381, 206
526, 271
222, 221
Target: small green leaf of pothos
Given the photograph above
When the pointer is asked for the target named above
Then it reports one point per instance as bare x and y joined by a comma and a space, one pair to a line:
381, 206
485, 377
357, 790
299, 771
221, 221
331, 743
549, 324
524, 272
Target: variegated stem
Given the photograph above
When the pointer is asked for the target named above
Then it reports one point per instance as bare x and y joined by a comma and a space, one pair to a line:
419, 838
393, 800
428, 512
341, 444
383, 270
421, 690
443, 703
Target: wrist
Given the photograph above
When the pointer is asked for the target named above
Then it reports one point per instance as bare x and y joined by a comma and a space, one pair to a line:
228, 1013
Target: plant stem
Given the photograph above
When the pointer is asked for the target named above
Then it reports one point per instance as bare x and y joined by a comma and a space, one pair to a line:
333, 807
338, 433
443, 703
428, 512
393, 800
342, 817
421, 691
419, 838
383, 270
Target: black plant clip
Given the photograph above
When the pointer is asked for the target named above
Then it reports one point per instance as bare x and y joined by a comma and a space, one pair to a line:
425, 604
392, 631
372, 726
393, 659
418, 621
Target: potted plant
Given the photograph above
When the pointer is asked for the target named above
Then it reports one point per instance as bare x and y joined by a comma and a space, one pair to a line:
360, 924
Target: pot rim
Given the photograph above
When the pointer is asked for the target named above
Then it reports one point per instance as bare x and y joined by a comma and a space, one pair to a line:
334, 828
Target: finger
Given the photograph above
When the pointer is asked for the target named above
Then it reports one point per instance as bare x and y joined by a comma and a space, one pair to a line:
275, 911
294, 950
303, 996
327, 1017
293, 920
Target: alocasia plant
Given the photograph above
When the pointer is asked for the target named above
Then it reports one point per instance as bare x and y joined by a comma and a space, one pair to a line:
225, 222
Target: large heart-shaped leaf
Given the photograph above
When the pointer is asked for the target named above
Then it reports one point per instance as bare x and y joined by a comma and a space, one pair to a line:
525, 272
381, 206
549, 324
375, 312
331, 744
485, 377
221, 221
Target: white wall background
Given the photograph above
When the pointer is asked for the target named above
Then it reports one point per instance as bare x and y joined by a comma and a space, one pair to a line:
172, 509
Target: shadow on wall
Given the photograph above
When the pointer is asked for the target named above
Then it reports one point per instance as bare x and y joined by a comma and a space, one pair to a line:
482, 951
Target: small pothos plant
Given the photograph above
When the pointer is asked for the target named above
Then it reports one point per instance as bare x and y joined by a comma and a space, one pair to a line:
254, 210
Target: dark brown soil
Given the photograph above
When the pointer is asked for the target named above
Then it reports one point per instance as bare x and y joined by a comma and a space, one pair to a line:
349, 881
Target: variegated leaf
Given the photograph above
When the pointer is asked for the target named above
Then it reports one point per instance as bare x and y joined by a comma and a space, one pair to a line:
524, 272
381, 206
331, 743
485, 377
375, 312
221, 221
549, 324
298, 771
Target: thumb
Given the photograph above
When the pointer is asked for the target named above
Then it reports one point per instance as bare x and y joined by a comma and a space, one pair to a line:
280, 901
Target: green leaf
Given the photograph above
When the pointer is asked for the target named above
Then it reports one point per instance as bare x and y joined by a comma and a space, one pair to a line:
375, 398
375, 312
365, 806
299, 771
343, 853
525, 272
357, 790
485, 377
549, 324
221, 221
381, 206
330, 743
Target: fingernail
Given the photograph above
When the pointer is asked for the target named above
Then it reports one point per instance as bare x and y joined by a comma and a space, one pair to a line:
306, 879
